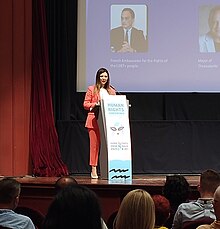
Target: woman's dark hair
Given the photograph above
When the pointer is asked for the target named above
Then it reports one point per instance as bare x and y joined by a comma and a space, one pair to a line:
98, 82
75, 206
176, 189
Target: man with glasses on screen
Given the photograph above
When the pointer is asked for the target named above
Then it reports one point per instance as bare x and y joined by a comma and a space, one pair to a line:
210, 42
126, 38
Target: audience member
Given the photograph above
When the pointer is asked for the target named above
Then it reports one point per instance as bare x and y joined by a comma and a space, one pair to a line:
136, 211
74, 206
63, 182
201, 208
9, 199
216, 205
162, 210
176, 190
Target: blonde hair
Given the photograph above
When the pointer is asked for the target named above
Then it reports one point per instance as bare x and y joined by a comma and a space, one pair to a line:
136, 211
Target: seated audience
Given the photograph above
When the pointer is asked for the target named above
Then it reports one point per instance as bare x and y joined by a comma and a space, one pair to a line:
74, 206
216, 204
176, 190
136, 211
9, 198
162, 210
201, 208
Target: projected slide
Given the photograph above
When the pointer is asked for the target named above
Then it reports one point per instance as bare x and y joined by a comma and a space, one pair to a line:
152, 46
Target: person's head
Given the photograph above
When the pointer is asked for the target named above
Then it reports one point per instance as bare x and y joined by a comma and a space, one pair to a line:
176, 189
102, 78
136, 211
75, 206
216, 203
127, 18
9, 193
214, 22
209, 181
64, 181
162, 209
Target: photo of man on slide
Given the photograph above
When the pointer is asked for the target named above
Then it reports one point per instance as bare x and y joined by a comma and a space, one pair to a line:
127, 38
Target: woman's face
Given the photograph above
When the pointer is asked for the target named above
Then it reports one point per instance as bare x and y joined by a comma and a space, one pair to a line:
103, 78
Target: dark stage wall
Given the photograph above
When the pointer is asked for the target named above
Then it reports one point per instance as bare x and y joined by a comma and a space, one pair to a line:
160, 142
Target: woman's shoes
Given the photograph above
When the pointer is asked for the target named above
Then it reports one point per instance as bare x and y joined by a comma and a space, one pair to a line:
94, 171
94, 176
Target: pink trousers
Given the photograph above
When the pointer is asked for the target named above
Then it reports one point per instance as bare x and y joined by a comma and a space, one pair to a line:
94, 137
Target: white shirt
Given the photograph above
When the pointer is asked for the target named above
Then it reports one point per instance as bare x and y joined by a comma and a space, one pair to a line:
129, 35
103, 93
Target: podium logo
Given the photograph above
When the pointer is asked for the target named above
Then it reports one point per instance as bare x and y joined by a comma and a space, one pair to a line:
117, 130
121, 175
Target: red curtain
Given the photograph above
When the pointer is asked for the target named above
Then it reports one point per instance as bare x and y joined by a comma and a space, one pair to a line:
44, 144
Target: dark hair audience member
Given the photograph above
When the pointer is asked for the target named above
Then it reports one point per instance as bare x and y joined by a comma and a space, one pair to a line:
162, 210
176, 190
75, 206
64, 181
9, 198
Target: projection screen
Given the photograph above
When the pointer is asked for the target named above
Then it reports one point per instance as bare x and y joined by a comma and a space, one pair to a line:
177, 56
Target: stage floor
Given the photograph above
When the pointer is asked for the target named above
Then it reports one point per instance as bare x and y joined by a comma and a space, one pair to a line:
142, 180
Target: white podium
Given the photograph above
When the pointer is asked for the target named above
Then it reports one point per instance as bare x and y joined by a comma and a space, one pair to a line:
115, 151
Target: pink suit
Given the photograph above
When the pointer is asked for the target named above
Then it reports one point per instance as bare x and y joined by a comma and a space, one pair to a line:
91, 123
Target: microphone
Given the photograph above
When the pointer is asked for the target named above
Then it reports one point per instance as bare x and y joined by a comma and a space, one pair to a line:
117, 92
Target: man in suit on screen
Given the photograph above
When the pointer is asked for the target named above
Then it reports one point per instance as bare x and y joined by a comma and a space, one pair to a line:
127, 38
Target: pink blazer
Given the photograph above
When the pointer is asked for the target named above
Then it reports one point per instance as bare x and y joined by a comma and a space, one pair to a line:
89, 102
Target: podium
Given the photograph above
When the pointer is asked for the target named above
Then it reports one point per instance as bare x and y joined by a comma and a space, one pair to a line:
115, 150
